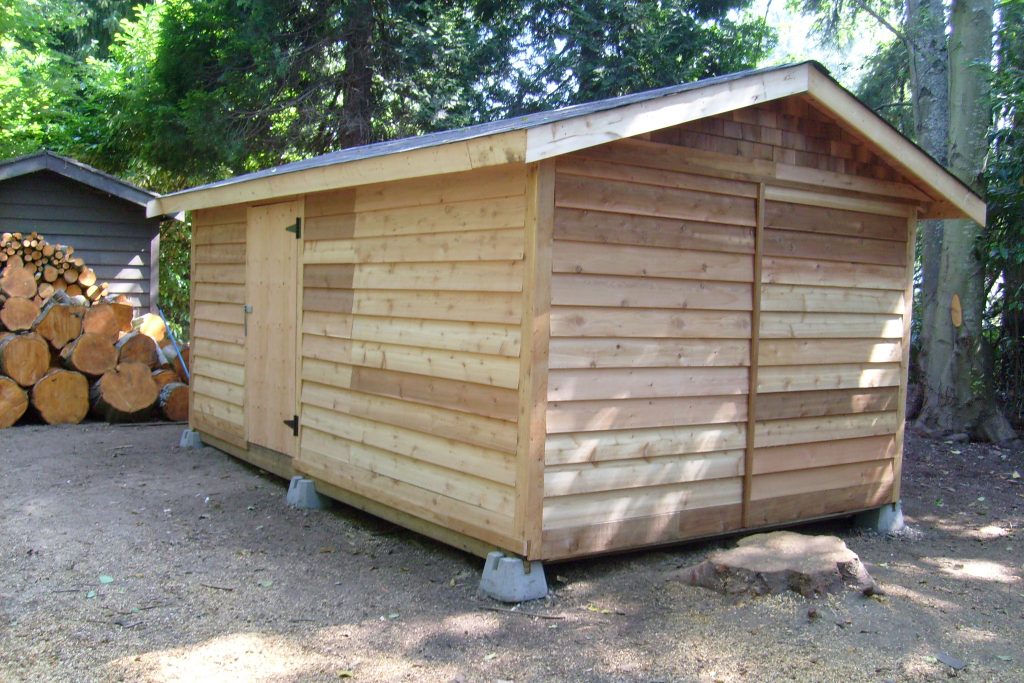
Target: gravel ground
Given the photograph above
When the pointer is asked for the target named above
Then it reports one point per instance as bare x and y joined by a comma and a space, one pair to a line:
123, 558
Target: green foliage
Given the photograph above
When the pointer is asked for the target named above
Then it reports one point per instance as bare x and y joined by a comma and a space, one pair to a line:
175, 271
885, 86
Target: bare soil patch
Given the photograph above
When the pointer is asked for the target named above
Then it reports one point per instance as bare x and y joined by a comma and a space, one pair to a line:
124, 558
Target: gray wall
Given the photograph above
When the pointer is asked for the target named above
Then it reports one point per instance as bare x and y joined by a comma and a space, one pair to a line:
112, 235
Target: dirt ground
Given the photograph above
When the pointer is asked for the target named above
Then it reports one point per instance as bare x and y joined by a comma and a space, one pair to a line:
124, 558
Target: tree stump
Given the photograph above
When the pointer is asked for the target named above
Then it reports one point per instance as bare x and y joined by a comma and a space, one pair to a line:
13, 402
125, 394
778, 562
174, 402
90, 354
61, 397
24, 358
139, 348
18, 314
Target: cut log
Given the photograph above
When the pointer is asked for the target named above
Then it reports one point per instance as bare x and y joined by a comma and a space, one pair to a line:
13, 402
45, 291
24, 358
91, 354
152, 326
19, 313
136, 346
59, 322
18, 281
50, 273
125, 394
167, 348
108, 319
61, 397
778, 562
165, 376
173, 402
87, 278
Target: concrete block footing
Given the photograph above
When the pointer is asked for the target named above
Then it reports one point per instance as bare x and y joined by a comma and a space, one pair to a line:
887, 519
302, 495
190, 439
513, 579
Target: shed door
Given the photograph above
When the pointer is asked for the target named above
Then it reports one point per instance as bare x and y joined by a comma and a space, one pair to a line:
271, 272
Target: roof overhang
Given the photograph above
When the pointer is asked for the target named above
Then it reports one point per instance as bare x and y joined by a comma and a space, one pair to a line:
539, 137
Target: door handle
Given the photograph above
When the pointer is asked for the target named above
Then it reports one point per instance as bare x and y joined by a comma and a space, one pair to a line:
246, 310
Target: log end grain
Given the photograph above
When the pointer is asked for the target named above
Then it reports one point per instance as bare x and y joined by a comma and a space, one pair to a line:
137, 347
125, 394
18, 313
174, 402
91, 354
24, 358
13, 402
61, 397
18, 281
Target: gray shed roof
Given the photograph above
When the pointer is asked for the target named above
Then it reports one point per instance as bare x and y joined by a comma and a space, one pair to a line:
75, 170
483, 129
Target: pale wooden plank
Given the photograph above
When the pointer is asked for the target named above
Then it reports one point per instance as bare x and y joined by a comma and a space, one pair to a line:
574, 192
488, 245
220, 274
908, 314
591, 508
831, 325
563, 449
474, 337
453, 455
831, 299
647, 231
619, 383
483, 276
507, 180
798, 271
828, 351
602, 163
604, 259
229, 294
630, 474
790, 243
221, 215
222, 391
219, 312
220, 253
220, 410
569, 352
817, 218
823, 454
822, 377
785, 405
323, 300
811, 429
629, 534
218, 370
448, 512
822, 479
637, 292
336, 375
834, 200
215, 350
440, 421
612, 322
476, 492
471, 215
485, 307
222, 332
807, 506
468, 367
204, 235
583, 416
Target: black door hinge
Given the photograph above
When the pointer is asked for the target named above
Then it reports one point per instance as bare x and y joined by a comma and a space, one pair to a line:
296, 227
294, 424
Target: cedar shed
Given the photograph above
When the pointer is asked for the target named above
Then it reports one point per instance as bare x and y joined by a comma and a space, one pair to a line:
101, 216
663, 316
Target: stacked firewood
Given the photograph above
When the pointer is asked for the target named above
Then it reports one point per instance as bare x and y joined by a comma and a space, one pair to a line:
53, 266
63, 357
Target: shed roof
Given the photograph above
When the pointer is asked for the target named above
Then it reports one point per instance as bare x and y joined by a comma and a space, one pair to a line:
46, 160
543, 135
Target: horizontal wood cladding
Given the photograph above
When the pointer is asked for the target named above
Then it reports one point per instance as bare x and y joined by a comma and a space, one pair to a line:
410, 343
218, 339
651, 296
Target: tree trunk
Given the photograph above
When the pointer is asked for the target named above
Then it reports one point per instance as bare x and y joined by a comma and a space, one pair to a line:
61, 397
958, 391
357, 78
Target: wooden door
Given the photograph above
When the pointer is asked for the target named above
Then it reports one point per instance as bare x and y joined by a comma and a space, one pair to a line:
271, 276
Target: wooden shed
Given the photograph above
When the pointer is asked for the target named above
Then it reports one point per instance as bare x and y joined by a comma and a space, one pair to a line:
102, 217
657, 317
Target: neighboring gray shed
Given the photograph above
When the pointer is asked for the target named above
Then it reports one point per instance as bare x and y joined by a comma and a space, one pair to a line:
102, 217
